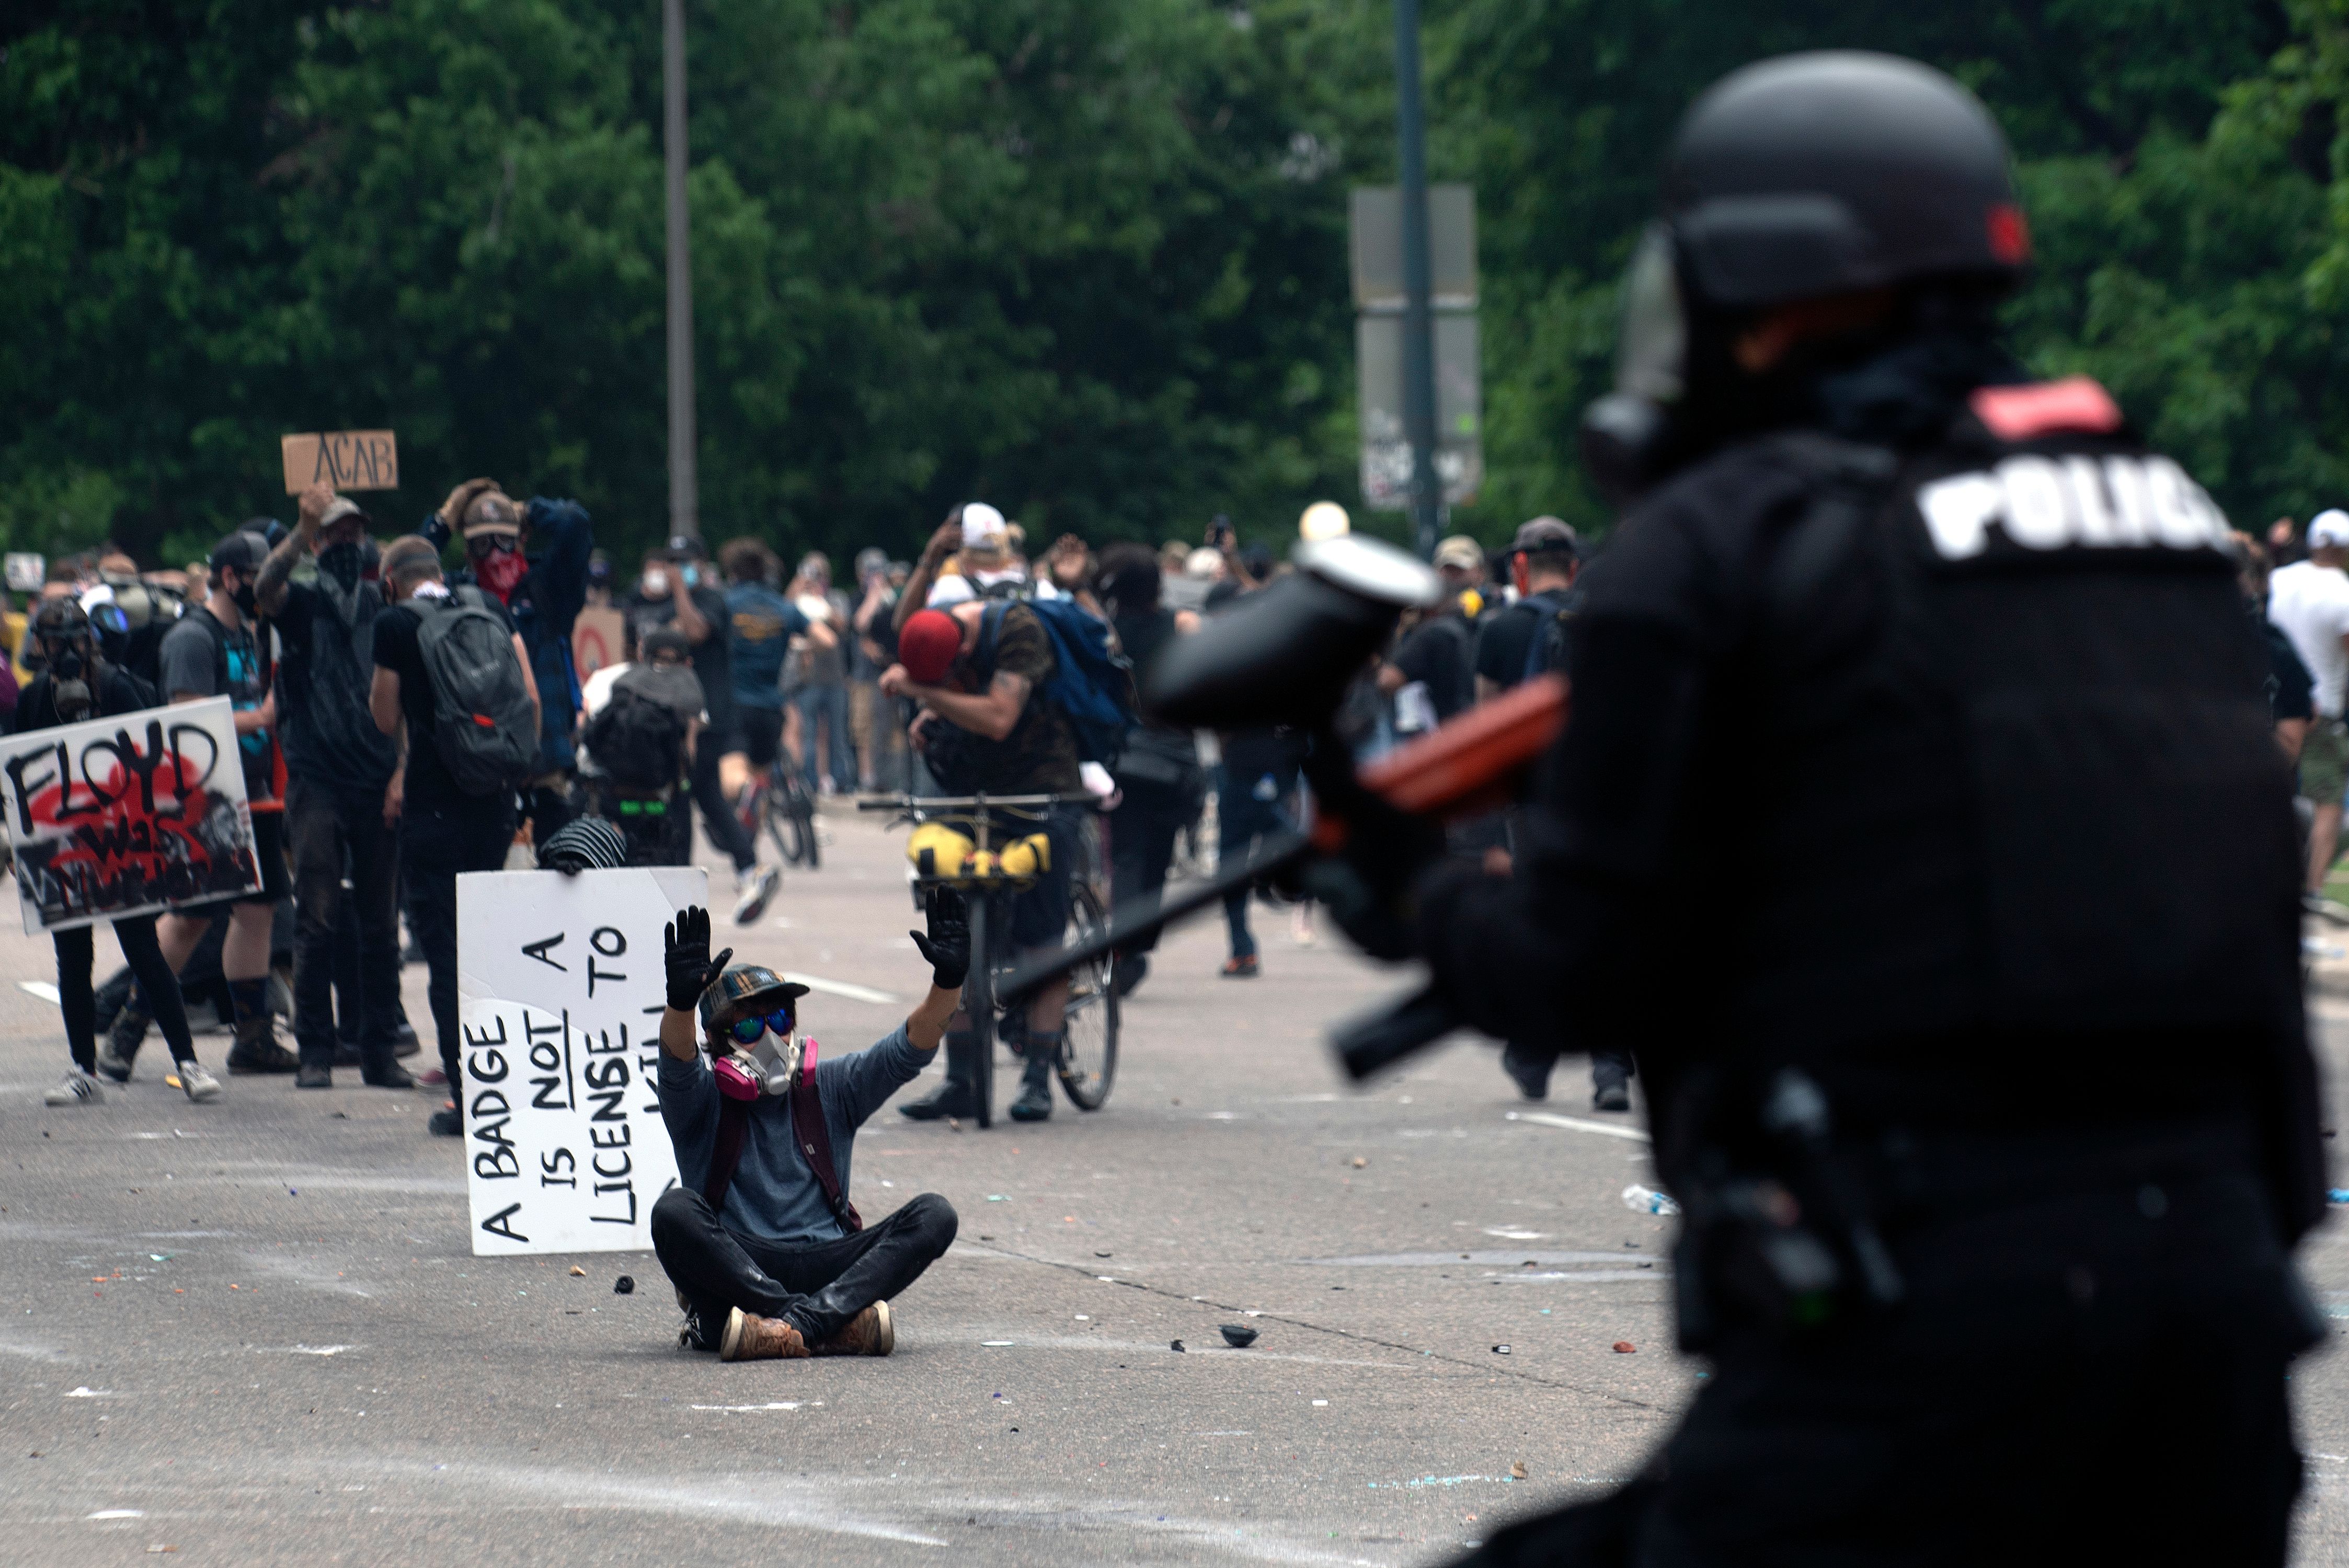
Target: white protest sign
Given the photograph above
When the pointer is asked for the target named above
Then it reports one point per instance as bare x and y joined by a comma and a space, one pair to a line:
560, 988
127, 815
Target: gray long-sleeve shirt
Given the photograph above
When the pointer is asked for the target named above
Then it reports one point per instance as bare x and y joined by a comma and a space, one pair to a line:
775, 1196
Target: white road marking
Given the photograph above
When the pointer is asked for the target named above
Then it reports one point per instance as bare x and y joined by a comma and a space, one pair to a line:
1576, 1124
842, 988
41, 988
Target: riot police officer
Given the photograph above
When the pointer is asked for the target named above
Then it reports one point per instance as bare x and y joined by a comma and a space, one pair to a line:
1996, 1122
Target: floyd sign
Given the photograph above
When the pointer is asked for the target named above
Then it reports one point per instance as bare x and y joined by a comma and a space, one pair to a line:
346, 459
124, 816
562, 988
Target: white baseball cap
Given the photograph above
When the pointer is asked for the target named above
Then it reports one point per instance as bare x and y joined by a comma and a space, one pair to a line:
983, 526
2328, 528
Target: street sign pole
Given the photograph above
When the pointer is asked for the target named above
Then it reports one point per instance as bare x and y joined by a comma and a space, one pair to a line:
1418, 324
684, 502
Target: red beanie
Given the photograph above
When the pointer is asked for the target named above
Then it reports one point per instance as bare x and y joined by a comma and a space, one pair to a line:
928, 644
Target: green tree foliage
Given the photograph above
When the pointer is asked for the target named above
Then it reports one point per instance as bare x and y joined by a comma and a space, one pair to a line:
1084, 257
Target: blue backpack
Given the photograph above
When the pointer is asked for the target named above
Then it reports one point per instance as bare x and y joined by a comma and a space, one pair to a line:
1092, 682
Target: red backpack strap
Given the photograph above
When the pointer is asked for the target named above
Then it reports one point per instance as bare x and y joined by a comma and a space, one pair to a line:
733, 1119
815, 1141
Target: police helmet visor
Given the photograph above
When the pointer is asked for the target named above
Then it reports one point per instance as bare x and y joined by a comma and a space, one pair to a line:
1651, 354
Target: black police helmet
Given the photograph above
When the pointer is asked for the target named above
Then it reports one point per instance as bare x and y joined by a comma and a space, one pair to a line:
1820, 174
1797, 178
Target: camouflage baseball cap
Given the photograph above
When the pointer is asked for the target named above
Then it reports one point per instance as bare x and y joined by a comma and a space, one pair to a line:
745, 990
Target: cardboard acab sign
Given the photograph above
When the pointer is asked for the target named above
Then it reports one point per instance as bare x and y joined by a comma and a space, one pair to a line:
346, 459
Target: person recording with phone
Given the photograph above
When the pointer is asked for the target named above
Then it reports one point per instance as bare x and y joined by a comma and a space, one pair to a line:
770, 1259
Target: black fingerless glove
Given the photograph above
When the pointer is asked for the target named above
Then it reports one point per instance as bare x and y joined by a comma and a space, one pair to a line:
690, 969
947, 945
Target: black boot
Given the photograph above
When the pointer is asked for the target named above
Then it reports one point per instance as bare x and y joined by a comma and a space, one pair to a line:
120, 1047
1610, 1082
256, 1049
958, 1096
1035, 1101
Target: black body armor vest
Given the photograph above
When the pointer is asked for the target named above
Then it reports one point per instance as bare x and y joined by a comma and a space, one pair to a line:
2003, 758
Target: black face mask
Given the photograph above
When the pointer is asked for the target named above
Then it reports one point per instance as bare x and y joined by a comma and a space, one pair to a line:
245, 600
342, 564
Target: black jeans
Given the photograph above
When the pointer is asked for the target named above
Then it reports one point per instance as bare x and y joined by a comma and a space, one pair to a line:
1142, 843
136, 936
816, 1288
718, 818
435, 844
329, 831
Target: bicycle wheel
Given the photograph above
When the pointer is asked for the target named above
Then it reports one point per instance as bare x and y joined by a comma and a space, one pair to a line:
1088, 1062
810, 841
978, 1009
788, 830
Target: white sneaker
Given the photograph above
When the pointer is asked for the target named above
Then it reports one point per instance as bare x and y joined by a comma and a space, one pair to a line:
77, 1087
197, 1080
757, 888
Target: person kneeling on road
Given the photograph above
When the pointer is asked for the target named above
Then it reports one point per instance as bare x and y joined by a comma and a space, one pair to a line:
769, 1256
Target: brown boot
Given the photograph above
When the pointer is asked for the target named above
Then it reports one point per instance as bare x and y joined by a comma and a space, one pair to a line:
256, 1049
750, 1339
872, 1332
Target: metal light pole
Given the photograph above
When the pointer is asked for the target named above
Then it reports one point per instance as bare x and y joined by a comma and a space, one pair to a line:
684, 502
1418, 322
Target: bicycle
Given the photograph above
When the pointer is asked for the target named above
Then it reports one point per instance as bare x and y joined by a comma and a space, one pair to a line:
782, 807
1088, 1062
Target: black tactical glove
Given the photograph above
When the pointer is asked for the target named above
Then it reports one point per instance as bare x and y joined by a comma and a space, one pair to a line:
1368, 883
690, 967
947, 944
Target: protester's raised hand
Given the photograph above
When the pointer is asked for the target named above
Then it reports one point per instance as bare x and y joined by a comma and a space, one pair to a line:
315, 503
947, 943
690, 967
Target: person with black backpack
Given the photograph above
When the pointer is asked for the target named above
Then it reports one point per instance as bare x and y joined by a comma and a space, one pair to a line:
452, 680
637, 745
216, 649
1528, 637
1525, 640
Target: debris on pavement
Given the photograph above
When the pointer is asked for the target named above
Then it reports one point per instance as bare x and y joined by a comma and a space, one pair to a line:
1500, 1350
1238, 1336
1517, 1469
1176, 1346
1625, 1348
1648, 1201
1359, 1162
625, 1285
577, 1272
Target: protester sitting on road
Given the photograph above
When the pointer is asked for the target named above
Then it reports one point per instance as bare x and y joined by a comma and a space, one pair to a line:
987, 724
340, 814
444, 830
533, 559
770, 1259
212, 651
75, 684
676, 590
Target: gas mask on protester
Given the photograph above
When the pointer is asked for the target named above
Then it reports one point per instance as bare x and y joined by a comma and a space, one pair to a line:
68, 648
750, 1027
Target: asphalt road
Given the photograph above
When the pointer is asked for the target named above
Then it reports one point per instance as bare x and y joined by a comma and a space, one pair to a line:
254, 1332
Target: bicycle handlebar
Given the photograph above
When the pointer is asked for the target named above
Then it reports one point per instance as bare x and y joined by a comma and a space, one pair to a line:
967, 802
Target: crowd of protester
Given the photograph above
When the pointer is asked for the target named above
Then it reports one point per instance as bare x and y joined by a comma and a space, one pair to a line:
333, 641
